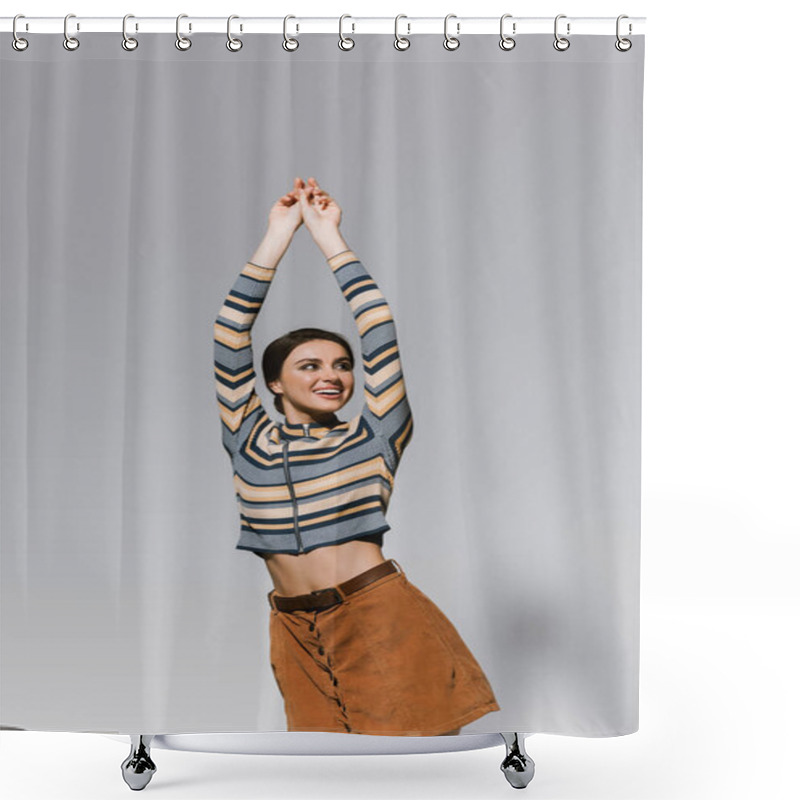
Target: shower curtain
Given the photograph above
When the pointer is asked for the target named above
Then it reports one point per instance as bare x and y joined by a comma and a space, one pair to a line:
492, 199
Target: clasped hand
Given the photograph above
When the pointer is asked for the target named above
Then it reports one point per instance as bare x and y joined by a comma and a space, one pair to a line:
306, 203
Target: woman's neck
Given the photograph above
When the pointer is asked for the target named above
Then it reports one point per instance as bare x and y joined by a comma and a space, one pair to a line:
328, 421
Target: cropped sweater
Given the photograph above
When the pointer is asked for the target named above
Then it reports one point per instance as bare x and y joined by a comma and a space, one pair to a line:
304, 486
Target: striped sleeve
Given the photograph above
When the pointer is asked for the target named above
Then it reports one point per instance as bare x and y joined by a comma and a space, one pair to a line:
384, 388
233, 352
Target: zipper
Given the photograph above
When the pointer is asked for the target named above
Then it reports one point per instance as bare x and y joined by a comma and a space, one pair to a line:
294, 497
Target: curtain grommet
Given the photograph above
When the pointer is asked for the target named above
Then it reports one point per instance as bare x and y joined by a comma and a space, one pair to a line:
622, 44
290, 44
507, 42
17, 42
345, 42
233, 44
70, 42
561, 43
451, 42
401, 42
129, 43
182, 42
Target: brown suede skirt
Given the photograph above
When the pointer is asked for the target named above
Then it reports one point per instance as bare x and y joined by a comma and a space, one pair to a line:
383, 659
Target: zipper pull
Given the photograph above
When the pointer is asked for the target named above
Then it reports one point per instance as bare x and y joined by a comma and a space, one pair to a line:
306, 426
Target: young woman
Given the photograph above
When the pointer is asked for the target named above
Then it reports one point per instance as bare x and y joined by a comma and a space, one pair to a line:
354, 646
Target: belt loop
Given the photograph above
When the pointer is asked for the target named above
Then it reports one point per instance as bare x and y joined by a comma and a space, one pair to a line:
399, 568
337, 587
269, 600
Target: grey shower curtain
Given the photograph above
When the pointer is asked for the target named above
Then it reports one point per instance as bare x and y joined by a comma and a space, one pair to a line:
494, 197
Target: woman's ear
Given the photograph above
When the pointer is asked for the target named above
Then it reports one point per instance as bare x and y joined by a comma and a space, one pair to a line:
274, 386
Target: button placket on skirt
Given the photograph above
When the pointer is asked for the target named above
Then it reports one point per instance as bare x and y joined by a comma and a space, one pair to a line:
327, 664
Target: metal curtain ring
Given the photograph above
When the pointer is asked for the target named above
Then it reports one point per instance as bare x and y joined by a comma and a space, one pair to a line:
233, 44
561, 43
400, 42
507, 42
128, 42
18, 43
289, 43
451, 42
70, 42
181, 42
623, 45
345, 43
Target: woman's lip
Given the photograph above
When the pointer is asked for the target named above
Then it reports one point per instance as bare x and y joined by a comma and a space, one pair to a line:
338, 392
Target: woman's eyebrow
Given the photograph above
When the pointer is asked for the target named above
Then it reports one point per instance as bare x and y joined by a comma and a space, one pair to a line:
319, 360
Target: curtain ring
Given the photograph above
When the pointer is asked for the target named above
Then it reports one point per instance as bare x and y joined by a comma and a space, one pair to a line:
623, 45
507, 42
181, 42
345, 43
70, 42
400, 42
451, 42
18, 43
561, 43
289, 43
128, 42
233, 44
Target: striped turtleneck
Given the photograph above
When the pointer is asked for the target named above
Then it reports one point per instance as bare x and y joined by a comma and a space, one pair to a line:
301, 486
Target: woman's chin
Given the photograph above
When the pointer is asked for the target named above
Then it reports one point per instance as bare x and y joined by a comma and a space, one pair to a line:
328, 408
330, 405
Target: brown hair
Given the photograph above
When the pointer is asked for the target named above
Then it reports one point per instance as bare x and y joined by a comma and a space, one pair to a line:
277, 351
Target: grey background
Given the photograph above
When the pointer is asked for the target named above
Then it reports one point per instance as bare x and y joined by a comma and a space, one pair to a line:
495, 198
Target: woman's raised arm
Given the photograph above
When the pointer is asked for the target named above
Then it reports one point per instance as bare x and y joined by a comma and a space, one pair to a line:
384, 387
235, 376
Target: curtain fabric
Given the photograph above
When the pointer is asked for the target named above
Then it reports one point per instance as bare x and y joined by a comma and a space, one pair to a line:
495, 199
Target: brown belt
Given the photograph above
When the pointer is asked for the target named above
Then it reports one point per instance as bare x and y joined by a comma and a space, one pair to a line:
325, 598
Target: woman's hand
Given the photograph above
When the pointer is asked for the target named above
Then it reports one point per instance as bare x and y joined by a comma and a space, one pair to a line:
321, 213
286, 215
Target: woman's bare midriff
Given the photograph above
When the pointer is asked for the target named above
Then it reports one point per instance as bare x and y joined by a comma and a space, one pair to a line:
321, 568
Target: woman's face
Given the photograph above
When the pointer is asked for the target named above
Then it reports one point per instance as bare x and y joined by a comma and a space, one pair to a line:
316, 379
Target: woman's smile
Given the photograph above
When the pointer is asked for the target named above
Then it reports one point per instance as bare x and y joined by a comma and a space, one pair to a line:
329, 392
